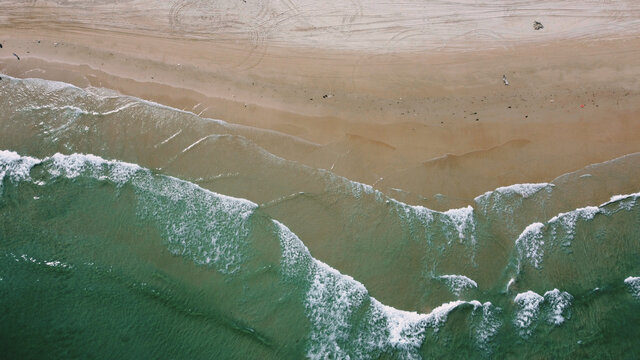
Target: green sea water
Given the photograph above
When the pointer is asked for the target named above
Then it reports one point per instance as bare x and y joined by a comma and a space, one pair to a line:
133, 230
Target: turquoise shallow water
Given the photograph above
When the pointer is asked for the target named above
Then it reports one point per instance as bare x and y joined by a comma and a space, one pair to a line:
107, 258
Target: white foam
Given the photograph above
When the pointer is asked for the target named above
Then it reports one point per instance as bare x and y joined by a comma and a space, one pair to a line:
30, 259
295, 255
615, 198
524, 190
50, 263
625, 202
559, 302
80, 111
103, 93
403, 327
530, 244
634, 286
415, 218
528, 304
359, 189
16, 167
58, 264
208, 228
423, 214
463, 220
332, 301
198, 142
489, 325
505, 203
569, 220
458, 283
408, 327
74, 165
47, 86
555, 304
169, 138
8, 156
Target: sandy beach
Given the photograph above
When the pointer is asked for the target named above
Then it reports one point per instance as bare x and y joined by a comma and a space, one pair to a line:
340, 179
415, 105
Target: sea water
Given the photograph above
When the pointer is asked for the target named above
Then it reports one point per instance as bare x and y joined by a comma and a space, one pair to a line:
129, 230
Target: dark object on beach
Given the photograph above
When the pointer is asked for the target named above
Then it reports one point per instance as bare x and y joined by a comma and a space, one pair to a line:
537, 25
504, 80
17, 57
0, 46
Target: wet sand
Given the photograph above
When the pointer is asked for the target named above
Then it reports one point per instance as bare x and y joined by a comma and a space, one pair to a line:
428, 120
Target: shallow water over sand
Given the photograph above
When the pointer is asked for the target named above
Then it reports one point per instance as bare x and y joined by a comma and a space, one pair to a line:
198, 242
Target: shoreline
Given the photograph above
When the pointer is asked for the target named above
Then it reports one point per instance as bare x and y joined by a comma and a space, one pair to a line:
385, 117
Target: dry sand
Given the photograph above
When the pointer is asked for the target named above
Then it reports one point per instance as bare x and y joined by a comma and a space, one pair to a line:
404, 96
